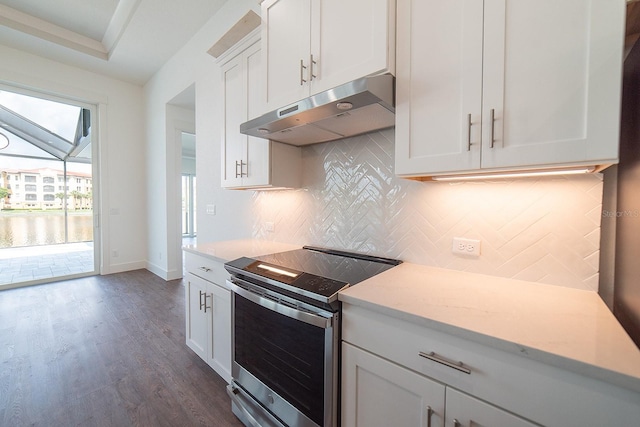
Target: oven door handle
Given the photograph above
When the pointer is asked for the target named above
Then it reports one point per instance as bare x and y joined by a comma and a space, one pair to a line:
303, 316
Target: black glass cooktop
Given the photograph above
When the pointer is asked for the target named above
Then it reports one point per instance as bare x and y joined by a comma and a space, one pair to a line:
313, 271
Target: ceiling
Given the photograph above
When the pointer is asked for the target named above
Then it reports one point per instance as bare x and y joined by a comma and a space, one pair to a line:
125, 39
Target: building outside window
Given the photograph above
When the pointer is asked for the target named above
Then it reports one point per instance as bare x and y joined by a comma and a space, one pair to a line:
30, 187
30, 197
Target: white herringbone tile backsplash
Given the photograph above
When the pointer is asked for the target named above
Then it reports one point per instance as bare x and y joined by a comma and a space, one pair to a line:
544, 230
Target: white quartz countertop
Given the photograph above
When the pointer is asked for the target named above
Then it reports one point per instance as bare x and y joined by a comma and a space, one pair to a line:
233, 249
568, 328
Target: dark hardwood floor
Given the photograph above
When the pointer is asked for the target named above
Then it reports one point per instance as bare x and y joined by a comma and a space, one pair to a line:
104, 351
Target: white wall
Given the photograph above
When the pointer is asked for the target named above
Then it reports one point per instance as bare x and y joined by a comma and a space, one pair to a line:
122, 195
191, 65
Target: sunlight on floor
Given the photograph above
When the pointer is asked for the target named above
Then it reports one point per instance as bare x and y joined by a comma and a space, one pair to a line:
25, 264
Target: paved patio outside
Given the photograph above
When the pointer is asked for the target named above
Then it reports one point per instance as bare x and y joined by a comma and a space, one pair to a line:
30, 263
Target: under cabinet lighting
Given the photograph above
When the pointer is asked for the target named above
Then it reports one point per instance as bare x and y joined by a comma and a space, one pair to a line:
501, 175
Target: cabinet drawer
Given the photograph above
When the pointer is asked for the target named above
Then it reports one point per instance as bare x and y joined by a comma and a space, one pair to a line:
206, 268
539, 392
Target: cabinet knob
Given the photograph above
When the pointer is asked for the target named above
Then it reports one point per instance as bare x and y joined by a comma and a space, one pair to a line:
458, 366
468, 132
429, 414
302, 68
311, 64
205, 299
205, 302
493, 121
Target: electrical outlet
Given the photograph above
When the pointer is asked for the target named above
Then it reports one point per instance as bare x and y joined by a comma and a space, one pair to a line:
269, 226
114, 254
467, 247
211, 209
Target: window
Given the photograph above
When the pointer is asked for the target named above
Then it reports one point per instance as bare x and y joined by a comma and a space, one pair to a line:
49, 188
48, 180
30, 197
79, 188
30, 187
17, 186
78, 180
29, 178
49, 198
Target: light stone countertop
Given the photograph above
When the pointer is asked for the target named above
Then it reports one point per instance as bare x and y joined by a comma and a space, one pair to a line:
232, 249
567, 328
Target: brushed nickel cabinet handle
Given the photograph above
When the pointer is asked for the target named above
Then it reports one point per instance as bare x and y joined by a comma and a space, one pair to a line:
205, 300
456, 423
205, 269
429, 414
302, 68
242, 165
493, 121
237, 174
459, 366
468, 132
311, 64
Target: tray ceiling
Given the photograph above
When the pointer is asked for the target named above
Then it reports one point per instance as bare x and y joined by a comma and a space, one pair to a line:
126, 39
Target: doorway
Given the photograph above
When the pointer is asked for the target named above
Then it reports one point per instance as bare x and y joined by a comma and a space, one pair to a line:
188, 186
47, 187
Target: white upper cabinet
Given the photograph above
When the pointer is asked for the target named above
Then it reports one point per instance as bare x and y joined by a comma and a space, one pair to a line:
314, 45
250, 162
507, 84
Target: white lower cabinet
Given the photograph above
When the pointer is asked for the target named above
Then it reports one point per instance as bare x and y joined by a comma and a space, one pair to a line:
377, 392
465, 410
195, 294
208, 313
395, 372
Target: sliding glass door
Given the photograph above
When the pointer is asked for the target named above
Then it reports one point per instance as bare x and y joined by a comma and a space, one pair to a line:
47, 187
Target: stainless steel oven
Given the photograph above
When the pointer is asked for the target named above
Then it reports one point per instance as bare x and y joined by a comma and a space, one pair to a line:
286, 334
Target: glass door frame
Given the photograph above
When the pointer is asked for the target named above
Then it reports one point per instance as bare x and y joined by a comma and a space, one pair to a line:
95, 174
189, 205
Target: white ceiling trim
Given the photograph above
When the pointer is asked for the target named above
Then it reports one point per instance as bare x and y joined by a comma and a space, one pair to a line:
47, 31
119, 22
42, 29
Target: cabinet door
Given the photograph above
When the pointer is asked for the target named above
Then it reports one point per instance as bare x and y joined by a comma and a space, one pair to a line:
350, 40
219, 357
257, 149
286, 47
466, 411
196, 318
235, 113
552, 74
439, 86
376, 392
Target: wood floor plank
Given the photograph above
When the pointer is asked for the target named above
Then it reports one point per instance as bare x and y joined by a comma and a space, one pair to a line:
104, 351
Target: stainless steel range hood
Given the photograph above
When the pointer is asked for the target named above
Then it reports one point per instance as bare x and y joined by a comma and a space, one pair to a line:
361, 106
